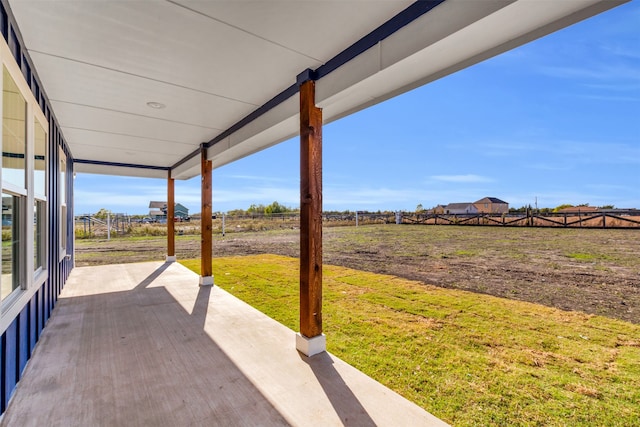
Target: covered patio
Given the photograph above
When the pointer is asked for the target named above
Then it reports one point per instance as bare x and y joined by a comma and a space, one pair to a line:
143, 344
173, 90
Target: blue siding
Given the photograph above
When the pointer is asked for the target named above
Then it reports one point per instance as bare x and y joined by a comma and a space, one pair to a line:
24, 350
19, 340
33, 323
9, 362
40, 309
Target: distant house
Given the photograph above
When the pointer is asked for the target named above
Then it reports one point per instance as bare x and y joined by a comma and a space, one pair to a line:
491, 205
158, 210
460, 208
438, 209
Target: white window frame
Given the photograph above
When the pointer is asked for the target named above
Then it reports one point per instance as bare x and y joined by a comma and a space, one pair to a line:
11, 307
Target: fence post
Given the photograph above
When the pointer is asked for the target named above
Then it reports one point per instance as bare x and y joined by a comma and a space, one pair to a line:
223, 223
356, 218
108, 226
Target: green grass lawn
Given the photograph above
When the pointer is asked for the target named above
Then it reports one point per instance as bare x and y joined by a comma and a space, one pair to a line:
469, 359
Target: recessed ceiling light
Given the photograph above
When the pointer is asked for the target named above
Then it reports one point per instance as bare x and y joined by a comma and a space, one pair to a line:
156, 105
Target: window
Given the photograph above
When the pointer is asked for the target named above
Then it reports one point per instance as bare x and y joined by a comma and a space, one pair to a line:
23, 178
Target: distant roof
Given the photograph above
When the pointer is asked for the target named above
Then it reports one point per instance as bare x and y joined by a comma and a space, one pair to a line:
491, 200
157, 205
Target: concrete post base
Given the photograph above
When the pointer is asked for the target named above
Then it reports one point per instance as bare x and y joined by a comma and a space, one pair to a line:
311, 346
171, 258
206, 280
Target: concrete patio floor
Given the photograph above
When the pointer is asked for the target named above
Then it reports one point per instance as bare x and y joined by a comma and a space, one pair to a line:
143, 344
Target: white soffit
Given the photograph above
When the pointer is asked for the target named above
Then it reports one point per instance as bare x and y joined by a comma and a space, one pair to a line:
211, 63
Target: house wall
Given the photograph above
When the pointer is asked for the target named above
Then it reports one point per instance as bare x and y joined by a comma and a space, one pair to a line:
469, 209
24, 315
492, 207
181, 211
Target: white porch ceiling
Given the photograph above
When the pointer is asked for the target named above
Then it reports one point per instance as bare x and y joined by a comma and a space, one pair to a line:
214, 62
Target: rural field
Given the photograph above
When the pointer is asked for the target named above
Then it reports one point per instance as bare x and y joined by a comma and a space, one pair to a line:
589, 270
478, 325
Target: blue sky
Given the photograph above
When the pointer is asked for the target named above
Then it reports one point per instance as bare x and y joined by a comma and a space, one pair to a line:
557, 120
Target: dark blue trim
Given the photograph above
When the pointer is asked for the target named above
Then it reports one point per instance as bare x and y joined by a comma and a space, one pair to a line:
122, 165
402, 19
306, 75
14, 45
33, 323
188, 157
26, 70
3, 392
23, 339
4, 26
10, 362
20, 156
269, 105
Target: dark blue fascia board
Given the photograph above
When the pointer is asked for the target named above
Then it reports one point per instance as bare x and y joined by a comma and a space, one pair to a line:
402, 19
188, 157
269, 105
399, 21
122, 165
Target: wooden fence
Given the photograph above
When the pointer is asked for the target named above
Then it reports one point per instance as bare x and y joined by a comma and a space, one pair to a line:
625, 219
122, 224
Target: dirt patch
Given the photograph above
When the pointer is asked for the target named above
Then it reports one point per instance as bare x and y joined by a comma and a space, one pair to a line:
594, 271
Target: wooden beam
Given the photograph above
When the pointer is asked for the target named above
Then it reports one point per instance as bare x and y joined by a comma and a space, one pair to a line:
206, 277
310, 212
171, 234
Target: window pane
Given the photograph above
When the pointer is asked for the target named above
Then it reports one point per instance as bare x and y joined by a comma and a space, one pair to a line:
40, 160
11, 245
14, 114
39, 209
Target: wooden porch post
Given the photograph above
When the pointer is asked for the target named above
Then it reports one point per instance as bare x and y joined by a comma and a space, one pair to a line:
206, 277
310, 340
171, 235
